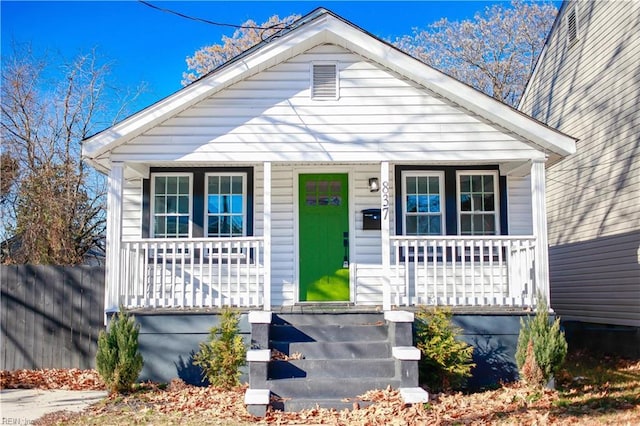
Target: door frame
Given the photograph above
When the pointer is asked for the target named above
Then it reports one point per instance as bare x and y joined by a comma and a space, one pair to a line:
297, 171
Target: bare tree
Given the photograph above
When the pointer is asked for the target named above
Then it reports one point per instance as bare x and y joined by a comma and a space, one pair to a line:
494, 52
249, 34
51, 203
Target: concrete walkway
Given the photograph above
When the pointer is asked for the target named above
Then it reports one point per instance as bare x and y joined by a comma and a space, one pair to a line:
23, 406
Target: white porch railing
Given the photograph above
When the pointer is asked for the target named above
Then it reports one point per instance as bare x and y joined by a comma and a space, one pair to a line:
196, 272
458, 270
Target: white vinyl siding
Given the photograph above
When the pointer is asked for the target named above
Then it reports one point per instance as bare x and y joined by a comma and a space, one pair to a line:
592, 92
131, 209
519, 205
272, 116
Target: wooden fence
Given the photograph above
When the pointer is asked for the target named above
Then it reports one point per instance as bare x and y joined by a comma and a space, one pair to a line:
50, 316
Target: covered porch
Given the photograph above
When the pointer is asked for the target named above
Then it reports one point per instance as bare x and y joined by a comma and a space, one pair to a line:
444, 270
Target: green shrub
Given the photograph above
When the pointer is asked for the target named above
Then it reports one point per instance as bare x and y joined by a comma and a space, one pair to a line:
118, 361
446, 361
541, 348
222, 356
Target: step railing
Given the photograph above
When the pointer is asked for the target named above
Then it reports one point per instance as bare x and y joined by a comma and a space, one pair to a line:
195, 272
463, 270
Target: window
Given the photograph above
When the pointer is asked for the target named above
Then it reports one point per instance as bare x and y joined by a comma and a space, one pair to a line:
225, 205
423, 203
171, 205
478, 203
324, 81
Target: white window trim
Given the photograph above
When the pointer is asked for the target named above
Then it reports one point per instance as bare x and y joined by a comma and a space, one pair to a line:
311, 85
152, 202
441, 189
206, 201
496, 201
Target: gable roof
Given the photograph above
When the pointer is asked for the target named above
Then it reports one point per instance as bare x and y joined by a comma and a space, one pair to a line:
321, 27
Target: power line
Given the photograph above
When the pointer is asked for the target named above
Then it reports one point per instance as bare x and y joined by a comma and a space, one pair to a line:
207, 21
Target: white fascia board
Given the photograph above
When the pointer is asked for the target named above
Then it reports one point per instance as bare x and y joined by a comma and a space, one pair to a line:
448, 87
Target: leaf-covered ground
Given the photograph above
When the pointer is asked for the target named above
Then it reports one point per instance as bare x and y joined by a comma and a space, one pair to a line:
590, 391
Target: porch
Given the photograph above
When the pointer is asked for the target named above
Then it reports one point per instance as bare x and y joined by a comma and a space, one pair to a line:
442, 270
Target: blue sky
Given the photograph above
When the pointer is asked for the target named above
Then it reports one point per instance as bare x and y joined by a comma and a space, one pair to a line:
144, 44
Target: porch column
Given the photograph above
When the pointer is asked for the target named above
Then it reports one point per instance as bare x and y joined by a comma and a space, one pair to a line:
385, 205
538, 201
114, 236
267, 235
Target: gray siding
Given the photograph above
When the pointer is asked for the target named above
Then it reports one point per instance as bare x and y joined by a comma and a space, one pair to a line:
591, 90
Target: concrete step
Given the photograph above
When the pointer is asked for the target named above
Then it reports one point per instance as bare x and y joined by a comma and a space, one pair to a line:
328, 333
336, 368
299, 404
335, 350
328, 388
329, 319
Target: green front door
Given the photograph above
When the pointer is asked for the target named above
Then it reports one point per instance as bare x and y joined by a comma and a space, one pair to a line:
324, 237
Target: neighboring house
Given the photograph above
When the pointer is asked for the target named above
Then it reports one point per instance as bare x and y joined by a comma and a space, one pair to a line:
587, 84
325, 165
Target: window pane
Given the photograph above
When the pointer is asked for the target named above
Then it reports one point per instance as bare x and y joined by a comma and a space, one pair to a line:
183, 185
423, 203
489, 203
412, 225
183, 226
311, 200
412, 203
172, 205
225, 184
477, 203
171, 225
465, 202
422, 185
310, 187
336, 187
476, 183
323, 187
236, 185
435, 225
159, 205
489, 224
434, 185
237, 225
160, 185
465, 183
411, 185
183, 204
213, 204
159, 227
488, 183
225, 226
236, 203
434, 203
172, 185
213, 226
423, 225
465, 225
214, 187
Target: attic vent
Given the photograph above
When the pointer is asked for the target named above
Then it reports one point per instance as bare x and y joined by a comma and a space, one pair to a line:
324, 81
572, 26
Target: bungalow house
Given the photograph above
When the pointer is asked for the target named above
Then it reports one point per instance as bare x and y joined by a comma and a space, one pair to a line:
323, 170
586, 83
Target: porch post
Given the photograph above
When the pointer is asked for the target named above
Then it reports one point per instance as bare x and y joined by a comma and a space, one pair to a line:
267, 236
385, 205
538, 201
114, 236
